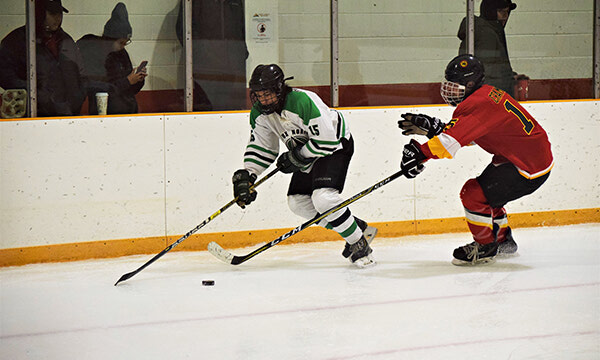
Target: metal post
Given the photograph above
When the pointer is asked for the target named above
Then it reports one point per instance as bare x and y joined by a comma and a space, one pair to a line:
334, 59
470, 27
596, 56
31, 60
187, 51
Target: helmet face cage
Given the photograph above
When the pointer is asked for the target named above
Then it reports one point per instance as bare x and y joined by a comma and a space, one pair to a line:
271, 98
452, 93
267, 77
464, 74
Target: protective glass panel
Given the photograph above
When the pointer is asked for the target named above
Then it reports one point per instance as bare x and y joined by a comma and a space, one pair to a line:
219, 54
13, 68
550, 42
89, 57
395, 53
390, 52
299, 42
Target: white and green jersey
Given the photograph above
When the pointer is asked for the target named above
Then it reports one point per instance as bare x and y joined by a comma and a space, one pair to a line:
304, 121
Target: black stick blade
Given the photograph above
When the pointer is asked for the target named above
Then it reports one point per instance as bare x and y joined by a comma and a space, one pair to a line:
125, 277
225, 255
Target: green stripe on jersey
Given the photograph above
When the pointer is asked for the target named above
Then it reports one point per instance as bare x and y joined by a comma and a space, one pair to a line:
254, 113
343, 134
256, 162
314, 151
301, 104
324, 142
261, 149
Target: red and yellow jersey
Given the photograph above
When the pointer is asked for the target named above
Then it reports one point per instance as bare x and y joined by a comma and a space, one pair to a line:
497, 123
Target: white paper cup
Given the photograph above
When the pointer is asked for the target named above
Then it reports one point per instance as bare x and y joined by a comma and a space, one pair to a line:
102, 102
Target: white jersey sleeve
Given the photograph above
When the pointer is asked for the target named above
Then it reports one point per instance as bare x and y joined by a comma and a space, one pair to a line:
263, 146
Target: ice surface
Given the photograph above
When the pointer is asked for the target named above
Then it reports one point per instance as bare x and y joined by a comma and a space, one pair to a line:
307, 302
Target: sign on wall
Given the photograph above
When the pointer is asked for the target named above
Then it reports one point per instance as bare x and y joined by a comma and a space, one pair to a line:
262, 26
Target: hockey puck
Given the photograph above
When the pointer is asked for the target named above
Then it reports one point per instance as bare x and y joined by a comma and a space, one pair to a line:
208, 282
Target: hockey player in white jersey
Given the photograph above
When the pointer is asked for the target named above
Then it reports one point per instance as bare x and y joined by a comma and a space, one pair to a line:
318, 150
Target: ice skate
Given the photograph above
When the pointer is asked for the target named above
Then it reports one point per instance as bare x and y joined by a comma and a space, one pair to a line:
475, 254
369, 232
360, 253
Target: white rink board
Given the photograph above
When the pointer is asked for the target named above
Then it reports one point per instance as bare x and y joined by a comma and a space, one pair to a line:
81, 179
89, 179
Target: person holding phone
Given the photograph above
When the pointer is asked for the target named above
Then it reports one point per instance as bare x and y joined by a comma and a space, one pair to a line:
142, 67
107, 62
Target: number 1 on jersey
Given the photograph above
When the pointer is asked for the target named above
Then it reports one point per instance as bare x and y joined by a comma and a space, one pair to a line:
527, 124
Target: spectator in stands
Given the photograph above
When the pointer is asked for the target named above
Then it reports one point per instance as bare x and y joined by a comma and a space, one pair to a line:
490, 43
61, 85
106, 60
219, 53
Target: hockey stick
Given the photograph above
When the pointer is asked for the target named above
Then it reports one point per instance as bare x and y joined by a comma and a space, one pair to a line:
227, 257
189, 233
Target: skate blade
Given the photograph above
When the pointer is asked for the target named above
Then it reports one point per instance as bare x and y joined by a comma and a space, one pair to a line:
486, 261
365, 262
370, 233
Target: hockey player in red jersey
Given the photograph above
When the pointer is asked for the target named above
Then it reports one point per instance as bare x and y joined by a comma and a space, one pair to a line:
493, 120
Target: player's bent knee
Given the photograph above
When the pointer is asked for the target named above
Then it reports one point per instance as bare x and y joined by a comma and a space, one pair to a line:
302, 205
472, 195
325, 198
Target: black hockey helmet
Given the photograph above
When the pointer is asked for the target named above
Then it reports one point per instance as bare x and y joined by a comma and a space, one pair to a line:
268, 77
464, 74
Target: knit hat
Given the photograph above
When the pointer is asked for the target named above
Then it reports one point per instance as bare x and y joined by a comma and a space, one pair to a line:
488, 9
118, 26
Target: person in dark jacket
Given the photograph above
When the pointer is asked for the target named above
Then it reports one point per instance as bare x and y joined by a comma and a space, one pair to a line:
219, 53
107, 61
490, 43
61, 84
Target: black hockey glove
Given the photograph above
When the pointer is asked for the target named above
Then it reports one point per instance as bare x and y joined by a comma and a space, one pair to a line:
420, 124
242, 181
292, 161
412, 158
